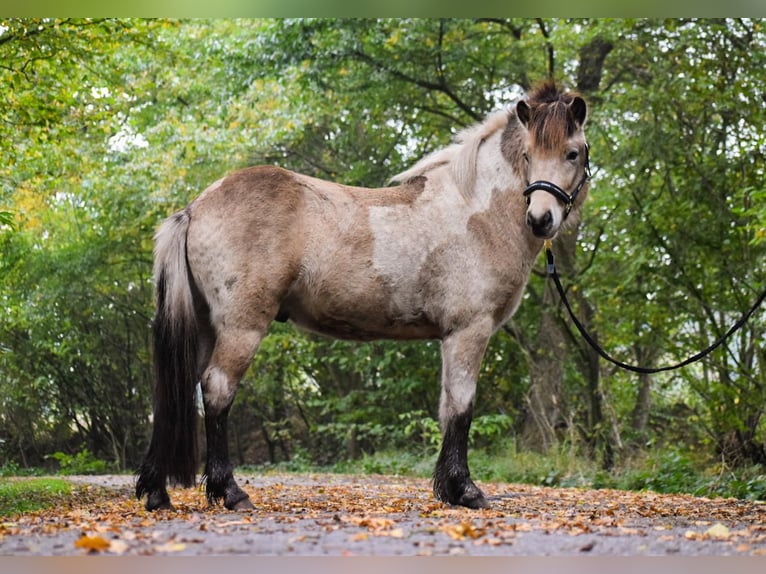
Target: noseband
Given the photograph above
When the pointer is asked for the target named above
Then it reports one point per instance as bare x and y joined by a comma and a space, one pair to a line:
557, 192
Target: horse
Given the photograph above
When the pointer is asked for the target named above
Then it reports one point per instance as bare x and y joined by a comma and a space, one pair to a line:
445, 254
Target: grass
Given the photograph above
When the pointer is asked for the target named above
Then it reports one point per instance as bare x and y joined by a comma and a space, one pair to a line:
27, 494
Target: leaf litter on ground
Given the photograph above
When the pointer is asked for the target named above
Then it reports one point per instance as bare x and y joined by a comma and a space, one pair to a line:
363, 508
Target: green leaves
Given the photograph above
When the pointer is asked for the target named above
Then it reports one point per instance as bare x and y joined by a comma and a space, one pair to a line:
112, 124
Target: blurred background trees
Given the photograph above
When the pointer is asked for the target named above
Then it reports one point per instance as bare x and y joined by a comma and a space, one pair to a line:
110, 125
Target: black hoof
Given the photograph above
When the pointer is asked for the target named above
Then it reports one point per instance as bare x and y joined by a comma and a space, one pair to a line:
460, 492
472, 497
228, 491
158, 500
242, 504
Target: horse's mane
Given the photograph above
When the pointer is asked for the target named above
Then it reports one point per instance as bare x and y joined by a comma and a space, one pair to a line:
551, 124
460, 155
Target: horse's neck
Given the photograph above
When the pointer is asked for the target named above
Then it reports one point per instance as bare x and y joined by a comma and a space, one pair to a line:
498, 199
495, 176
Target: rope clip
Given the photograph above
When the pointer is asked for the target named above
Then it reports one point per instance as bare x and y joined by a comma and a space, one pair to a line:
551, 267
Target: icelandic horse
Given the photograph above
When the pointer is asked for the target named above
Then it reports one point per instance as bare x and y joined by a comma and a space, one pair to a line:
443, 255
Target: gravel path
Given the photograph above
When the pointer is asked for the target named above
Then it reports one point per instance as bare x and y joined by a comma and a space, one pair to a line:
336, 515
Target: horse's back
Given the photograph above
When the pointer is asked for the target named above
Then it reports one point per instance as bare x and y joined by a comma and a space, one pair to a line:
269, 243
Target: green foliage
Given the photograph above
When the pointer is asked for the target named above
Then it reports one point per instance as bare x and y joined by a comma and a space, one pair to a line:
560, 467
12, 468
6, 219
667, 471
675, 471
392, 463
112, 124
83, 462
18, 496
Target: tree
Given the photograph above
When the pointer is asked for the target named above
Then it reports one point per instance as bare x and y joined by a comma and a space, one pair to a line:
113, 124
685, 164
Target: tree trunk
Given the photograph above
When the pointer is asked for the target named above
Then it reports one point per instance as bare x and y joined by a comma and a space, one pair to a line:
546, 415
597, 431
639, 417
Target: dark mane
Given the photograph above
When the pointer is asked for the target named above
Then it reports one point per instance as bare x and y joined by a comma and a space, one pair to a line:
551, 121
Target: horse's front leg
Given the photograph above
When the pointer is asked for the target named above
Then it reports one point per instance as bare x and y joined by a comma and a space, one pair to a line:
462, 352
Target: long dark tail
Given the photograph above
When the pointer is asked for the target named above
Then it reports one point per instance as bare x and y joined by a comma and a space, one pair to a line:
172, 453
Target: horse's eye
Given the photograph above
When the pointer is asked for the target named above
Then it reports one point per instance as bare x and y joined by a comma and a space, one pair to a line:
572, 155
525, 156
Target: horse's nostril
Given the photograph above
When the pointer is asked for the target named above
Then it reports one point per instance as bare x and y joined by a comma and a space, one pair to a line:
541, 226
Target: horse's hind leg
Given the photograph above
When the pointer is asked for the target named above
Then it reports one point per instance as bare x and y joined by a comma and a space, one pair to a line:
232, 354
462, 352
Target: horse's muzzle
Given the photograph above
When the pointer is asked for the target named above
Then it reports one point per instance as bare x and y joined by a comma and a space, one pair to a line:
541, 226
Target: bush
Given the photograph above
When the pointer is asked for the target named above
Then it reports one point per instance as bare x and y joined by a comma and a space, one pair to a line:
81, 463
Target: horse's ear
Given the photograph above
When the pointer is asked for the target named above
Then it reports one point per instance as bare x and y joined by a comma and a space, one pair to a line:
523, 112
579, 110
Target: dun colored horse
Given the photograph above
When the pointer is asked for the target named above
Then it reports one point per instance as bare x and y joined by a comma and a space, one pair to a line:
444, 255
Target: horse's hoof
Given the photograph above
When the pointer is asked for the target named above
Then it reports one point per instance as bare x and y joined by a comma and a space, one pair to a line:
471, 496
158, 501
475, 501
238, 500
242, 505
464, 493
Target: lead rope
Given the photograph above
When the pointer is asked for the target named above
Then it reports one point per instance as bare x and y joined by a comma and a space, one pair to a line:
551, 269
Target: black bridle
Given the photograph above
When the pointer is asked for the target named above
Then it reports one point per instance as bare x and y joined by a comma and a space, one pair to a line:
567, 199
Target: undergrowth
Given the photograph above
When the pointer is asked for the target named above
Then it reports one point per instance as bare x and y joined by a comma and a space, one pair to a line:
666, 471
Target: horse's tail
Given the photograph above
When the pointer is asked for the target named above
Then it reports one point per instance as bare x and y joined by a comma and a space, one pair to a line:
172, 453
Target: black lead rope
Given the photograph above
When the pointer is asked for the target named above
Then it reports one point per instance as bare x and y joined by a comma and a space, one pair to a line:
552, 272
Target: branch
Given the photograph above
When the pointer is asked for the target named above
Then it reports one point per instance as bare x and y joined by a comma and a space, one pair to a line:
592, 56
440, 86
505, 23
549, 47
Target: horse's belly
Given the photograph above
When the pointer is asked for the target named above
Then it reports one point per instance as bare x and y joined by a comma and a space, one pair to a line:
356, 320
343, 329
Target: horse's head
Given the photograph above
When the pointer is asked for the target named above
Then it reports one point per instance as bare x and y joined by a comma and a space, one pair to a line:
556, 157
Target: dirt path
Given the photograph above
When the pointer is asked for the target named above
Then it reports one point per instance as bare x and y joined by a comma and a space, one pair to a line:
335, 515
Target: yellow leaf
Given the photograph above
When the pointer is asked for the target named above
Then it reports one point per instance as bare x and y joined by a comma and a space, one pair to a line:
92, 543
463, 530
170, 547
718, 531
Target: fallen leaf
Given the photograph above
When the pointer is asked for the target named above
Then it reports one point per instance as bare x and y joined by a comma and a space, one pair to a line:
462, 530
92, 543
718, 532
171, 547
488, 542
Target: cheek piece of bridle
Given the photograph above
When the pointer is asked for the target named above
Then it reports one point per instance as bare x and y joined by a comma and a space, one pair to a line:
557, 192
